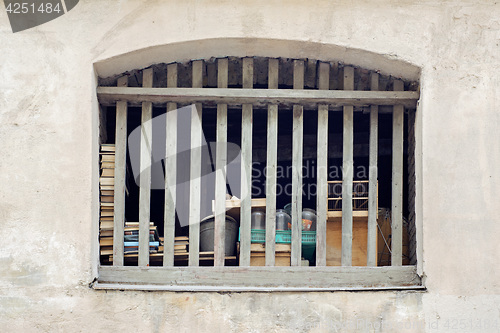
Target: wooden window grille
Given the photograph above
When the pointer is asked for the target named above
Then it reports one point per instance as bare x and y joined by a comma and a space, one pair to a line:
295, 86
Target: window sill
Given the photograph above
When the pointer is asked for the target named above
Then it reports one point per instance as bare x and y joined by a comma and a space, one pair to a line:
259, 278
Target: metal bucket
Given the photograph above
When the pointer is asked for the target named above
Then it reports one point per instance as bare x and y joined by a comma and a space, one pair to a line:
207, 226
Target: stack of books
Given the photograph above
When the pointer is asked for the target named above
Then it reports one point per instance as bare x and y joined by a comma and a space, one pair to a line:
181, 245
106, 184
131, 238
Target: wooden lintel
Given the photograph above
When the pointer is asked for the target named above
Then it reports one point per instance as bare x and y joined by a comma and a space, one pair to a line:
257, 97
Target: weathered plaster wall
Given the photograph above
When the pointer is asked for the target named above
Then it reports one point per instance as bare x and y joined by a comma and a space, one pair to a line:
48, 117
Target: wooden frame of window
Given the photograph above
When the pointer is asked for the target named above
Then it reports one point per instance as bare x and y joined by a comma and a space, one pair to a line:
258, 278
297, 100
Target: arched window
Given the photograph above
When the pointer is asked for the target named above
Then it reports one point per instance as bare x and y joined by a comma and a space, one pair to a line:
257, 165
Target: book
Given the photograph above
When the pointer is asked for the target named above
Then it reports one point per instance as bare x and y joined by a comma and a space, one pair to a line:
108, 187
107, 225
135, 231
108, 158
131, 244
107, 147
106, 181
107, 165
106, 241
107, 199
106, 250
134, 253
133, 247
136, 224
107, 193
106, 233
135, 238
108, 172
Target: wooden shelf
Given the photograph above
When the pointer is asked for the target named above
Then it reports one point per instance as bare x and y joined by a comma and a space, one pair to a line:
333, 214
233, 206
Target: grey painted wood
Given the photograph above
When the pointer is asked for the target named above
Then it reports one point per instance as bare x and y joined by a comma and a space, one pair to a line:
347, 173
170, 172
247, 73
334, 147
298, 74
297, 146
322, 168
271, 165
273, 74
246, 166
145, 167
220, 165
397, 181
195, 170
258, 278
201, 288
257, 97
371, 255
120, 169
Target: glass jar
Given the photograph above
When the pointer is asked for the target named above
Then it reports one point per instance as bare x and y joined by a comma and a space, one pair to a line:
258, 219
309, 219
283, 220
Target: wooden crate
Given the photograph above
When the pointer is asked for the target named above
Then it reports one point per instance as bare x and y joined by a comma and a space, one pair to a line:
334, 241
258, 254
359, 198
359, 240
384, 239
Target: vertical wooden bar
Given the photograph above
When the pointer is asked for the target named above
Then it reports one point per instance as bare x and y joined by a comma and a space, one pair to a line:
145, 177
322, 178
347, 172
220, 165
297, 146
272, 161
246, 166
195, 171
371, 252
397, 180
170, 171
120, 167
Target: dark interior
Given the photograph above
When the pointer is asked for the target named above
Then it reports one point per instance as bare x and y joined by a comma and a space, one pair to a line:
361, 149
